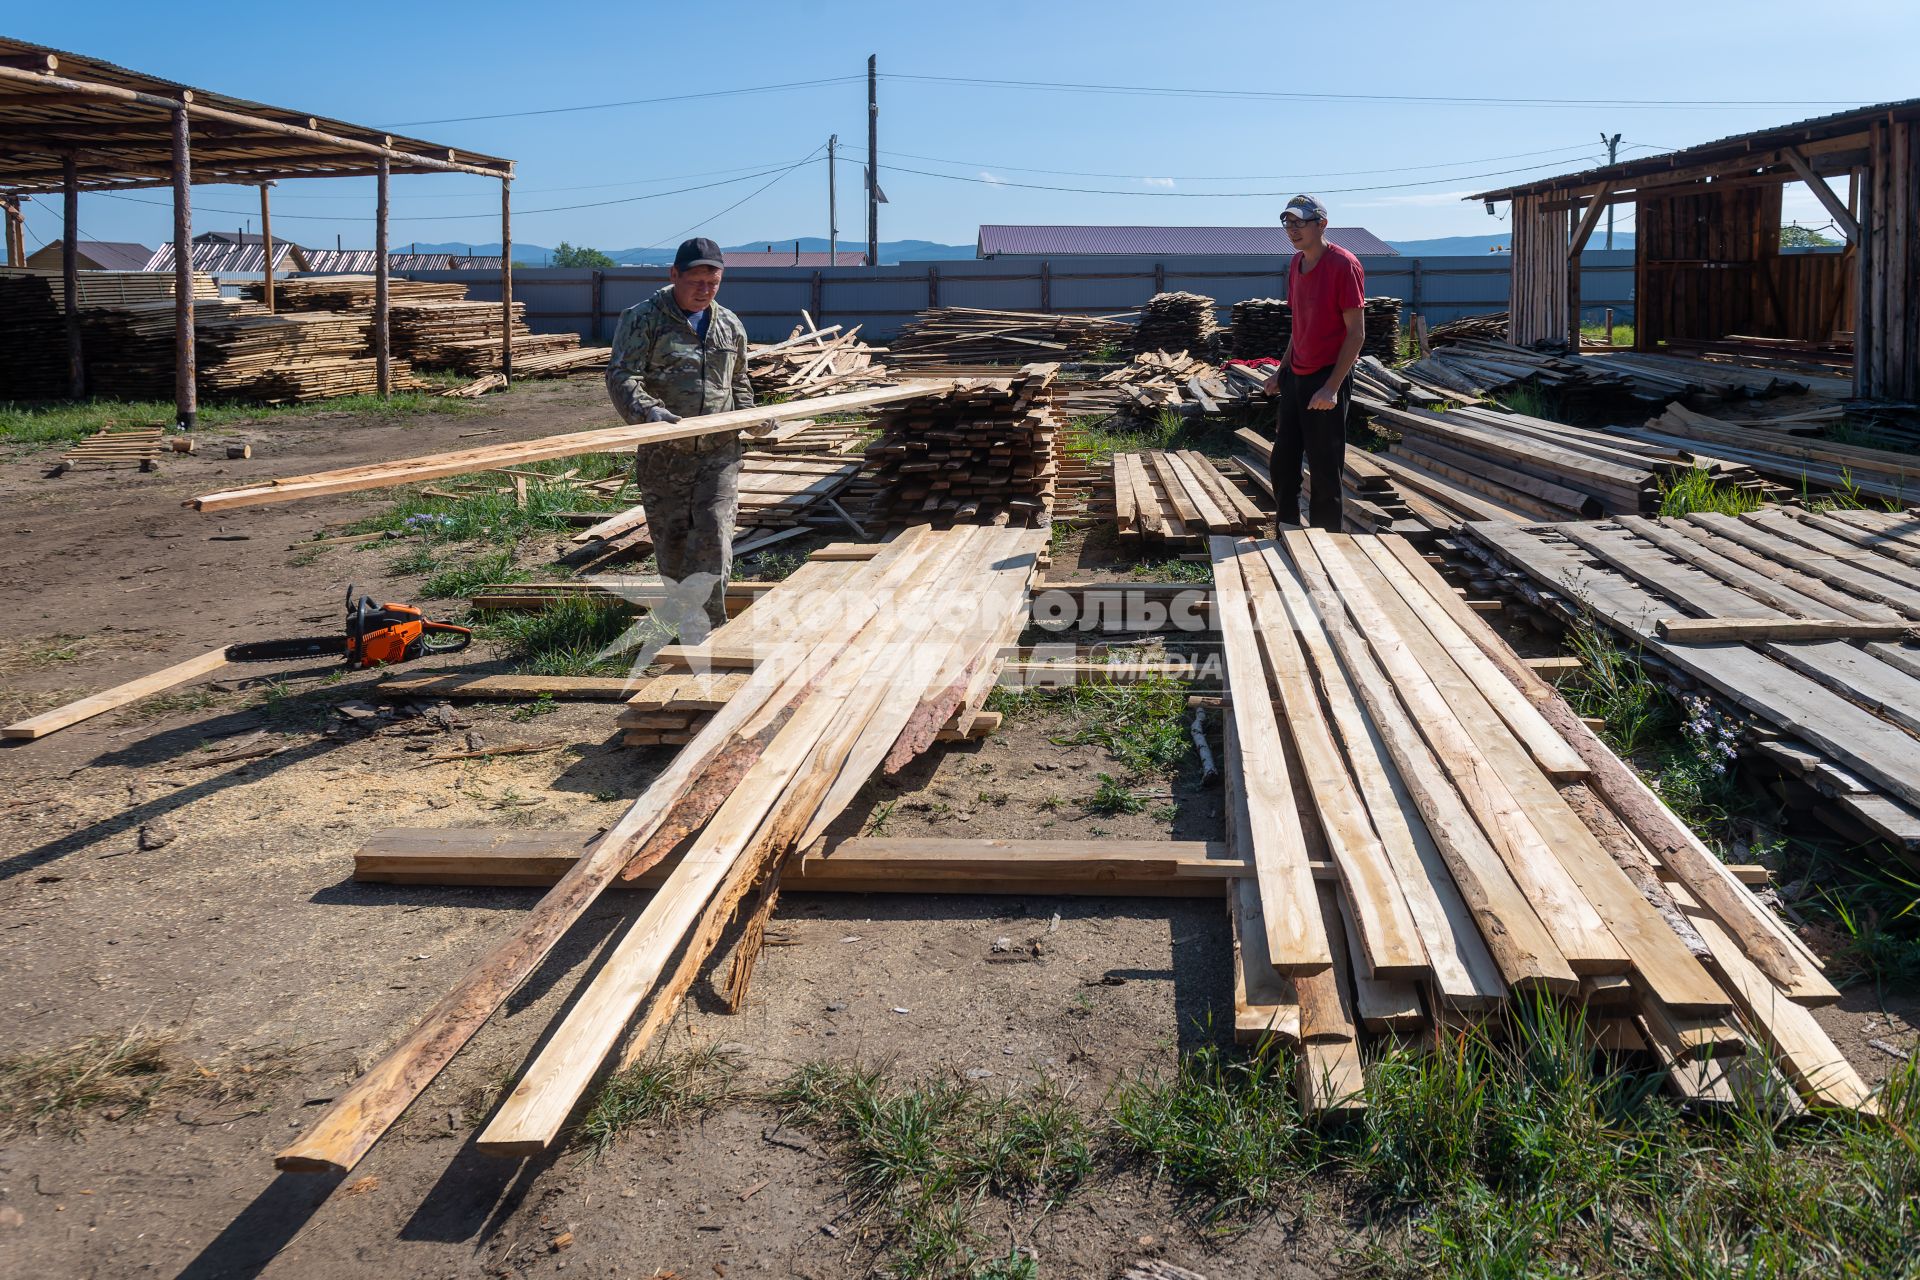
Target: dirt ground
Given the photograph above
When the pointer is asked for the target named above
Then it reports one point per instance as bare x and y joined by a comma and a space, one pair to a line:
241, 933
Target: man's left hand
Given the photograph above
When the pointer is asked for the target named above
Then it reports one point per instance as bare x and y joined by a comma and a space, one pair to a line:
1327, 397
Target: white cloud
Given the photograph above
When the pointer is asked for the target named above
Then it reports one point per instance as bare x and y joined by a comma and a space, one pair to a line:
994, 178
1425, 199
1159, 182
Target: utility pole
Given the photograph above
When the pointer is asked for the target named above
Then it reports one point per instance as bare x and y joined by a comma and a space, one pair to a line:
873, 165
833, 214
1613, 155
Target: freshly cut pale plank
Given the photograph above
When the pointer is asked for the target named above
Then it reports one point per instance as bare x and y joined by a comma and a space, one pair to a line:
1296, 940
119, 696
1577, 929
1381, 1004
602, 440
1754, 630
1513, 934
1783, 956
1558, 760
1463, 974
1388, 934
587, 688
1327, 1071
1265, 1003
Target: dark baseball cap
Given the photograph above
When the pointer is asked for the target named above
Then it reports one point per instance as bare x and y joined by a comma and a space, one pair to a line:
698, 252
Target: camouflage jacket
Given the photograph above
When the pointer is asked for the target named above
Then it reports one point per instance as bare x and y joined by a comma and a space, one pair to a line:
659, 359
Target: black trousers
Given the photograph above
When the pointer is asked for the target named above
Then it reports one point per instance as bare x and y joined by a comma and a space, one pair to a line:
1317, 435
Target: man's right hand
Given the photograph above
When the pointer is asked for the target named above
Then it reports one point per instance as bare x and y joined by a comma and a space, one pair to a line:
660, 413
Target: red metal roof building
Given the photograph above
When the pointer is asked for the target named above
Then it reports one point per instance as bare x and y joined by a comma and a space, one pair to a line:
1001, 241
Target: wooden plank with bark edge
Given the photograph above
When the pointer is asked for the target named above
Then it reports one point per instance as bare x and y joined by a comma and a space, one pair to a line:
751, 816
1662, 964
1381, 1004
1578, 931
1185, 510
1839, 602
1783, 957
1463, 974
1266, 1003
1691, 589
1387, 931
601, 440
1328, 1072
118, 696
1785, 1028
1860, 582
1296, 940
1518, 942
1756, 630
1548, 749
1769, 588
364, 1111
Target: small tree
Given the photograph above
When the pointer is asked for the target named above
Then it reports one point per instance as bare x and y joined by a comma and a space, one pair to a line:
1795, 236
567, 255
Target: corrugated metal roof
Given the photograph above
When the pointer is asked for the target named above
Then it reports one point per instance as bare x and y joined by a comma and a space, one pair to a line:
1837, 125
788, 258
225, 258
95, 255
1032, 241
360, 262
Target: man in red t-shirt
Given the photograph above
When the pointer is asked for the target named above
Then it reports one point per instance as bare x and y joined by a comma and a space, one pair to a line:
1326, 290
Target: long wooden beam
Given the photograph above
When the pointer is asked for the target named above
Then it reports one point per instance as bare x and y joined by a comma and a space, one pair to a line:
601, 440
1842, 216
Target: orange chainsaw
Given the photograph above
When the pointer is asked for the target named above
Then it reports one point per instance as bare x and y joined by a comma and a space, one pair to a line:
376, 635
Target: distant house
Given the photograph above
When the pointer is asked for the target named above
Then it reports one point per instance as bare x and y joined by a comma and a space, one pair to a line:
1000, 241
93, 255
772, 257
234, 253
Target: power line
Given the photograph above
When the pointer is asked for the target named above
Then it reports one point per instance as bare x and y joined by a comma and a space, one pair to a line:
1219, 195
743, 199
1273, 95
1243, 177
765, 166
633, 102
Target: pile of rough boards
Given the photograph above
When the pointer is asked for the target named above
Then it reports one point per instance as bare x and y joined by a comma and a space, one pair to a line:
1262, 327
1177, 495
1176, 322
983, 452
812, 360
1432, 832
767, 775
966, 335
1794, 621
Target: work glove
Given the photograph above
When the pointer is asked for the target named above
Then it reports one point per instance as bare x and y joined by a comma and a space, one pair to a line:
660, 413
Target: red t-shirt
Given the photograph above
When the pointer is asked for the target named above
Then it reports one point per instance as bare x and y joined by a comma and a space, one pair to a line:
1318, 297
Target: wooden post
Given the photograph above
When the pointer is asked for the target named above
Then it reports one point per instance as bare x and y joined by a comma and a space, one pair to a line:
816, 291
833, 207
16, 242
596, 299
70, 272
1609, 326
933, 286
382, 335
1046, 284
506, 279
185, 401
873, 166
266, 242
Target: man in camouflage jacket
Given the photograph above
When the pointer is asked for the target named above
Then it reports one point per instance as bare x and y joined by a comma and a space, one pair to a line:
681, 354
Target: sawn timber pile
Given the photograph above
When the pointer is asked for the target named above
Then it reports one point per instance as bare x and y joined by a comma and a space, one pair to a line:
1177, 495
1483, 845
769, 772
984, 452
1794, 622
968, 335
813, 360
1176, 322
1262, 327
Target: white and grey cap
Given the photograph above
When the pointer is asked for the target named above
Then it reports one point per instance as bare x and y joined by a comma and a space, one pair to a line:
1305, 207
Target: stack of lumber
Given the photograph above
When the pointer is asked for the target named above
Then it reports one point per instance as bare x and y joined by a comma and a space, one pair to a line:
1480, 463
961, 335
1478, 367
1432, 832
670, 708
1778, 449
1491, 327
1661, 375
1150, 382
984, 452
813, 360
1792, 620
1176, 322
482, 355
804, 435
1262, 327
439, 334
126, 321
117, 445
1369, 501
349, 293
766, 776
290, 357
557, 363
1177, 495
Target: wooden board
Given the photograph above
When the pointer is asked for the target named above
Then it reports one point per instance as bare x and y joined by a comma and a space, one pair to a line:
119, 696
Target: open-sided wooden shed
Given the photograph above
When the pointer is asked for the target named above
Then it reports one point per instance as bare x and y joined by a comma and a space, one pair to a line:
1708, 266
69, 124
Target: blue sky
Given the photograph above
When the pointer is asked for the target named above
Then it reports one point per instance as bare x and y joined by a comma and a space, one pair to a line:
1397, 167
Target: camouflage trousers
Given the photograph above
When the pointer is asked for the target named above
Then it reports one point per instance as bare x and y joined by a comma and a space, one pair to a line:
691, 490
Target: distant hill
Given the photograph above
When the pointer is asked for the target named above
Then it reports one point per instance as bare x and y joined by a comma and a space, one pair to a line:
891, 251
1468, 245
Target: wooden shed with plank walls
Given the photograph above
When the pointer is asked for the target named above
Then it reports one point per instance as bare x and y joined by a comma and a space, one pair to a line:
1708, 267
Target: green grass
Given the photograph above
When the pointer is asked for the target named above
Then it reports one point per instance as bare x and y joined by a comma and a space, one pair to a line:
1140, 725
1530, 400
1622, 333
497, 518
462, 580
60, 422
119, 1075
1174, 570
1112, 796
655, 1090
1696, 490
567, 638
